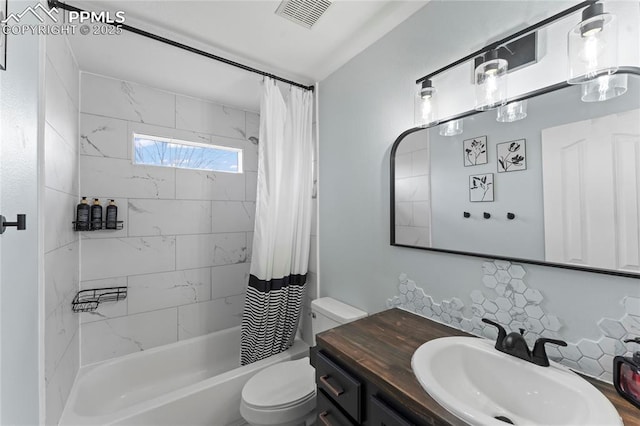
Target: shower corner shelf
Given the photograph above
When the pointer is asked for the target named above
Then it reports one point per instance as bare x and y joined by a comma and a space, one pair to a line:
88, 300
119, 226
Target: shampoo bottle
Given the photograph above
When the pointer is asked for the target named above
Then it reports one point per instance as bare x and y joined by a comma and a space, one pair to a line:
82, 215
96, 215
626, 375
111, 216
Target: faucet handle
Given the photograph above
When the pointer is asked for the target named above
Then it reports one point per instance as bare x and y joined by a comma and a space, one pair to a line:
539, 354
501, 333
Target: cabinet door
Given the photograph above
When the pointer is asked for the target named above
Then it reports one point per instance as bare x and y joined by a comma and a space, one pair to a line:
339, 385
380, 414
328, 413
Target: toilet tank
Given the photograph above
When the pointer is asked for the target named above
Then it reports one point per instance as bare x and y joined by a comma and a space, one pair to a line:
327, 313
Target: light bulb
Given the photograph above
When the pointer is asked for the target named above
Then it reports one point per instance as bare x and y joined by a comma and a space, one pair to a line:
591, 51
591, 32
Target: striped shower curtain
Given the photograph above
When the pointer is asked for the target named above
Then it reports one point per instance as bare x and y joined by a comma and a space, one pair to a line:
283, 223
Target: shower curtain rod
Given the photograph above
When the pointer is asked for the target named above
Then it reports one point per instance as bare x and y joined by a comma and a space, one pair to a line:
60, 5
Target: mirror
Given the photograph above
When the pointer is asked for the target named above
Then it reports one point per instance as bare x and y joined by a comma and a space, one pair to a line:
558, 187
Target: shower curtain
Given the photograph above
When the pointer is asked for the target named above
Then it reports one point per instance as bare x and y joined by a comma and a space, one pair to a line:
281, 240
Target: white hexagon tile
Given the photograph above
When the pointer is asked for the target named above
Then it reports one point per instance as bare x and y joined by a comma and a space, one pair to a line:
508, 300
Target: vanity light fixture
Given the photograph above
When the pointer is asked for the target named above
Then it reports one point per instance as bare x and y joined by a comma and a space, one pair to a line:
426, 105
491, 82
604, 88
513, 111
593, 45
491, 63
451, 128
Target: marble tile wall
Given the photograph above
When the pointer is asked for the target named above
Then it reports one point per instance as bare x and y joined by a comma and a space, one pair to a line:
185, 247
413, 206
61, 244
312, 275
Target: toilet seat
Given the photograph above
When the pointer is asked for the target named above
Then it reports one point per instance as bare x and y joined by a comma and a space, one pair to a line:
282, 385
280, 394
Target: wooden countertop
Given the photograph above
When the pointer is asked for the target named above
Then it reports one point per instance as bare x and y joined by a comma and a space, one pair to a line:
380, 347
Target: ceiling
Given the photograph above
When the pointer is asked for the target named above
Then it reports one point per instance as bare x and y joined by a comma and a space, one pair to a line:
245, 31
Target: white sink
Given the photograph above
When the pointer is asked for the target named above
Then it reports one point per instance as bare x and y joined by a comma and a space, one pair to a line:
477, 383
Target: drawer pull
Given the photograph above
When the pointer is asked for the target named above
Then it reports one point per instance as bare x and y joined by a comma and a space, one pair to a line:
323, 418
325, 381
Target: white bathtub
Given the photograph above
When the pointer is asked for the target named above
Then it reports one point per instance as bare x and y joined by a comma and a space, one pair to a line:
191, 382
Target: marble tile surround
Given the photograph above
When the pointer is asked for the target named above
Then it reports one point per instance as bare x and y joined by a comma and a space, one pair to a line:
508, 300
61, 251
412, 189
127, 101
184, 250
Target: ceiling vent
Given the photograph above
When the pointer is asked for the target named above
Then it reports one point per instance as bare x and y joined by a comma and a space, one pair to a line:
303, 12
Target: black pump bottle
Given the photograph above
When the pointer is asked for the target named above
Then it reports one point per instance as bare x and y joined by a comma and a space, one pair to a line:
111, 216
96, 215
83, 213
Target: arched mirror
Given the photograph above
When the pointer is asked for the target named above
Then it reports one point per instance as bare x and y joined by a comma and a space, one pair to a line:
551, 178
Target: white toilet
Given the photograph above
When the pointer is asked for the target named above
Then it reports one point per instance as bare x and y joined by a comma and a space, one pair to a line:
285, 394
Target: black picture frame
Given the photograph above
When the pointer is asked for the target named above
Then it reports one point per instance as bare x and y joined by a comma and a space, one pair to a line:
482, 181
519, 151
4, 10
481, 139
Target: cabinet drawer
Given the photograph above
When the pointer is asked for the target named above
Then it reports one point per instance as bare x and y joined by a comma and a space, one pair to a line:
340, 386
329, 414
380, 414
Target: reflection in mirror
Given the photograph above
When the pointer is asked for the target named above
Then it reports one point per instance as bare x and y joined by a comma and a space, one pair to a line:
559, 178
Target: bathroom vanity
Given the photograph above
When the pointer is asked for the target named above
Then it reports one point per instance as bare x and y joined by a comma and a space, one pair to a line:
364, 375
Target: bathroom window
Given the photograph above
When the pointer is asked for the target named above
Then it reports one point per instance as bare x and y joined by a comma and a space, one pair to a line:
166, 152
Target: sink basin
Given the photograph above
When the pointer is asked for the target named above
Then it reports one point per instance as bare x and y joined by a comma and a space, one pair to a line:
482, 386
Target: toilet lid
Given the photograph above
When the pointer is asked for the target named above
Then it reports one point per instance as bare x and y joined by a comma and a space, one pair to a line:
281, 385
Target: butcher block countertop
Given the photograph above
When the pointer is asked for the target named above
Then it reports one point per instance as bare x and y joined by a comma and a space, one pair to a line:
380, 347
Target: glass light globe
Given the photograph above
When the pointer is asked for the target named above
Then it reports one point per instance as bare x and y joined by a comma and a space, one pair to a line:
451, 128
511, 112
491, 82
425, 105
593, 46
604, 88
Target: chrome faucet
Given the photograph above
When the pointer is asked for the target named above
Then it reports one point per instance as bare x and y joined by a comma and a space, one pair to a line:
514, 344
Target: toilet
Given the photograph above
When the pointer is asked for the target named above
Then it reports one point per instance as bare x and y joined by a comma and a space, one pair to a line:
285, 394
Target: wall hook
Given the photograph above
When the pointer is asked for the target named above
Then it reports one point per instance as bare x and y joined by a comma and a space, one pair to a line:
20, 223
466, 214
511, 216
486, 215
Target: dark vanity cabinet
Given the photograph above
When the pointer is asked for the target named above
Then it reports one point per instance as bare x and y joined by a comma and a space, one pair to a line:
364, 375
346, 398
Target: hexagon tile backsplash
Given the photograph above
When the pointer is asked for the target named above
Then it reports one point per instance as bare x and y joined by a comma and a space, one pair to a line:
508, 300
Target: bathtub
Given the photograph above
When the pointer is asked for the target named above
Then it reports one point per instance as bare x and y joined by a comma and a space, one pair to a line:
192, 382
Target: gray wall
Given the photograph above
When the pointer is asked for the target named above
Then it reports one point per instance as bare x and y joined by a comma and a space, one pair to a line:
519, 192
364, 106
20, 270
